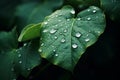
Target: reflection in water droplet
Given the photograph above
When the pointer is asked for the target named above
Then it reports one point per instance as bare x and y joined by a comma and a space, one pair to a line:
88, 18
72, 12
19, 55
20, 62
87, 39
63, 40
78, 35
52, 31
56, 55
74, 46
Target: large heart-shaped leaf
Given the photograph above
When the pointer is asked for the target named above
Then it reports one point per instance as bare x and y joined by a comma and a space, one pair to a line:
112, 8
65, 37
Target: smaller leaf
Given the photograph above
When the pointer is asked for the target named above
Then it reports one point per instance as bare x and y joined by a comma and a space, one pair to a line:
29, 32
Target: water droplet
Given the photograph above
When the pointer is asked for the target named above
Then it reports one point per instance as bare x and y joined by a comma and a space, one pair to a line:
42, 44
25, 44
78, 35
79, 19
65, 30
55, 37
94, 11
53, 46
59, 20
45, 22
40, 50
88, 18
63, 40
28, 69
74, 46
12, 69
20, 62
53, 31
87, 39
68, 19
54, 50
45, 30
72, 12
88, 10
19, 55
56, 55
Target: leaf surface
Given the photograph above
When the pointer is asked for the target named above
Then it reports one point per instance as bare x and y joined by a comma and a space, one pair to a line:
65, 37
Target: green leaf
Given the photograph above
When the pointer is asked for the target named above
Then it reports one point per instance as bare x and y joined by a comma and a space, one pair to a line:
13, 61
27, 57
112, 8
29, 32
64, 37
35, 12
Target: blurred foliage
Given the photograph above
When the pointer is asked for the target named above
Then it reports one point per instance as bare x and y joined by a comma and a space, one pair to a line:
100, 61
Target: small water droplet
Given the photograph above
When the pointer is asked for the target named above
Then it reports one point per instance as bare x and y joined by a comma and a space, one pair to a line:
45, 22
12, 69
94, 11
55, 37
63, 40
88, 18
68, 19
72, 12
40, 50
53, 46
45, 30
54, 50
25, 44
59, 20
14, 79
52, 31
20, 62
56, 55
28, 69
79, 19
78, 35
88, 10
19, 55
87, 39
65, 30
42, 44
74, 46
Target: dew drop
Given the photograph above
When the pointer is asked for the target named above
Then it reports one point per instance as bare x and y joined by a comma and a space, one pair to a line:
54, 50
56, 55
94, 11
42, 44
45, 22
72, 12
88, 18
59, 20
65, 30
63, 40
78, 35
88, 10
28, 69
53, 31
55, 37
20, 62
25, 44
40, 50
87, 39
19, 55
68, 19
79, 19
74, 46
45, 30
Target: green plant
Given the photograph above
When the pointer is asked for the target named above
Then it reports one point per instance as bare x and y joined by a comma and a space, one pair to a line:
40, 34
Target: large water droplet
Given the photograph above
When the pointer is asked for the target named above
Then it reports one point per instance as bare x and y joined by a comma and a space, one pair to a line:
72, 12
87, 39
52, 31
74, 46
56, 55
88, 18
19, 55
20, 62
62, 40
78, 35
45, 30
45, 22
